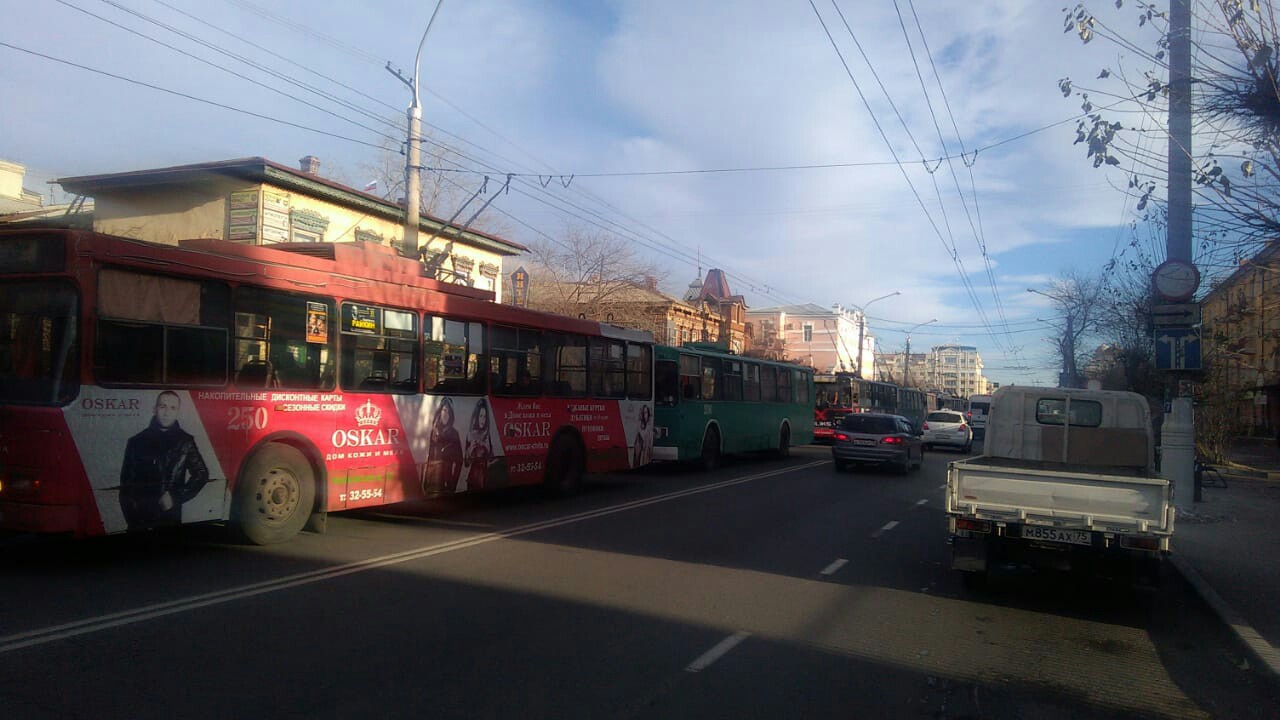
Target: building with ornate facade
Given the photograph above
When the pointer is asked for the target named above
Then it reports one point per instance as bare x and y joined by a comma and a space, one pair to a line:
700, 316
257, 201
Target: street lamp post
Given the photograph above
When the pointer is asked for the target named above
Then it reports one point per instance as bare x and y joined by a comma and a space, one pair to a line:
862, 325
413, 156
906, 360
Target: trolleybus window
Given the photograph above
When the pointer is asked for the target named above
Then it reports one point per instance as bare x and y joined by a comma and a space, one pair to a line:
454, 361
784, 386
768, 383
155, 330
515, 361
732, 389
38, 358
379, 349
667, 382
751, 382
710, 378
566, 360
639, 371
607, 370
283, 341
690, 377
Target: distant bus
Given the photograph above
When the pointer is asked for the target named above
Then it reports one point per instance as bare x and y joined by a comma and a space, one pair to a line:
144, 385
912, 405
839, 394
711, 403
979, 408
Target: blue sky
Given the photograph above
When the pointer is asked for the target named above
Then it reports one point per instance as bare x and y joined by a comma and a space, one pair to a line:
581, 87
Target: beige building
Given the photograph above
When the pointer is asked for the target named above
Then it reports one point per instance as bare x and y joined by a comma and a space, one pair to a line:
257, 201
1240, 341
14, 197
824, 339
957, 370
707, 313
892, 368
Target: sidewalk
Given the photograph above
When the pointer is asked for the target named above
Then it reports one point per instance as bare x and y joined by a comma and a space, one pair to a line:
1228, 547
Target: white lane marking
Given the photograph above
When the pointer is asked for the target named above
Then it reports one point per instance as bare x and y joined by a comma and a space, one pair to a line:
86, 626
833, 567
887, 527
943, 486
717, 652
921, 501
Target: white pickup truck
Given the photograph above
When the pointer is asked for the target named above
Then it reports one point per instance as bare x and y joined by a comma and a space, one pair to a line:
1066, 481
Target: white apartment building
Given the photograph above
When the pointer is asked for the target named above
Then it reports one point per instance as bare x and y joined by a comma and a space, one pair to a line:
957, 370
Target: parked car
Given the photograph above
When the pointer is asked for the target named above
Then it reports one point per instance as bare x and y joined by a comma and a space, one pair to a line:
879, 439
947, 428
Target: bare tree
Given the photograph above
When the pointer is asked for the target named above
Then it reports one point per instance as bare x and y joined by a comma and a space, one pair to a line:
589, 273
1236, 99
442, 193
1077, 302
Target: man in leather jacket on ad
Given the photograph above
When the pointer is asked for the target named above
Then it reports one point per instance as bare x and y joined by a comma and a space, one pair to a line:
162, 469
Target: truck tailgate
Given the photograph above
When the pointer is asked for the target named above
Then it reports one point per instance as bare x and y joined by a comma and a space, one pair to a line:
1092, 501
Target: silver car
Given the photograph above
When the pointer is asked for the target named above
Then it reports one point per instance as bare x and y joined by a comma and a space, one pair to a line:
878, 439
949, 429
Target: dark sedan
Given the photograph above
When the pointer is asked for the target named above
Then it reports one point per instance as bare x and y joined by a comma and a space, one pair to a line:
879, 439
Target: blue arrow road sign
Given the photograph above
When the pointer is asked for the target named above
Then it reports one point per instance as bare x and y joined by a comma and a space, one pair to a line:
1178, 348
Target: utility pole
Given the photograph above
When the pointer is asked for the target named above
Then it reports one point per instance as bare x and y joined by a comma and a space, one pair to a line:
413, 154
906, 360
1178, 435
862, 326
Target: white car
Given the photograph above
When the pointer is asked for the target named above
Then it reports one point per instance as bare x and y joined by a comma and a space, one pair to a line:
945, 427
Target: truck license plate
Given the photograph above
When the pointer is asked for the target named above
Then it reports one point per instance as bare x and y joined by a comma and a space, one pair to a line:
1051, 534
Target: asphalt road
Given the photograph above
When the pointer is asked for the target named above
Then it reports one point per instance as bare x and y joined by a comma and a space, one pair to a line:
770, 588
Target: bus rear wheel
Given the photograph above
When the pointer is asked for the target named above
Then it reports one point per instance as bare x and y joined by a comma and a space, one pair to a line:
565, 463
784, 442
710, 458
274, 494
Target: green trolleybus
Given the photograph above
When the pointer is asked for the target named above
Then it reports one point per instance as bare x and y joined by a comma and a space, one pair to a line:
711, 403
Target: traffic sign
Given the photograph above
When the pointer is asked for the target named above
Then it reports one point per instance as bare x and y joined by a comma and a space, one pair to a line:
1175, 315
1178, 348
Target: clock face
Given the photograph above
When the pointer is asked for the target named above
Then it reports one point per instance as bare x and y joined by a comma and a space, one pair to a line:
1176, 280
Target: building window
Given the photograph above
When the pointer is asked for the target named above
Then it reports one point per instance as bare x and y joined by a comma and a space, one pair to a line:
307, 226
808, 332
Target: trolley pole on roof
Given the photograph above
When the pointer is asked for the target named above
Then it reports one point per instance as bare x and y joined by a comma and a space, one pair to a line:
413, 153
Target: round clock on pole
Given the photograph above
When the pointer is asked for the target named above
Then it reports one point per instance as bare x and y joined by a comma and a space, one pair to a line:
1175, 280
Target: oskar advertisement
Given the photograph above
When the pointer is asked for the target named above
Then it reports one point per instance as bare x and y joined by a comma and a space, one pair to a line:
163, 457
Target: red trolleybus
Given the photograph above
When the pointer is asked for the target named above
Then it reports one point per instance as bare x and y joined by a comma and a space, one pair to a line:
841, 393
144, 385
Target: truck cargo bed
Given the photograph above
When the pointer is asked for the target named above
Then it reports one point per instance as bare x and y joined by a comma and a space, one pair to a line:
1123, 500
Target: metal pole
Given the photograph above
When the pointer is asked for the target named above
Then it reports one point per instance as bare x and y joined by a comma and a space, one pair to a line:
1178, 435
413, 155
862, 326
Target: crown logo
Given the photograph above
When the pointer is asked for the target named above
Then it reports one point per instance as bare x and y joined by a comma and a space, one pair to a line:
368, 415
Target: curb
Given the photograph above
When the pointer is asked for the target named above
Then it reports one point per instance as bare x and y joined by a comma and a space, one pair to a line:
1264, 654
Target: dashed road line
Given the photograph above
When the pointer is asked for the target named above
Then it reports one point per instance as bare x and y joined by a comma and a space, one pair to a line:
833, 567
921, 501
717, 652
887, 527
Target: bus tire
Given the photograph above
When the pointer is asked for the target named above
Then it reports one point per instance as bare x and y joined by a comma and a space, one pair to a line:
710, 458
274, 494
784, 442
565, 466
